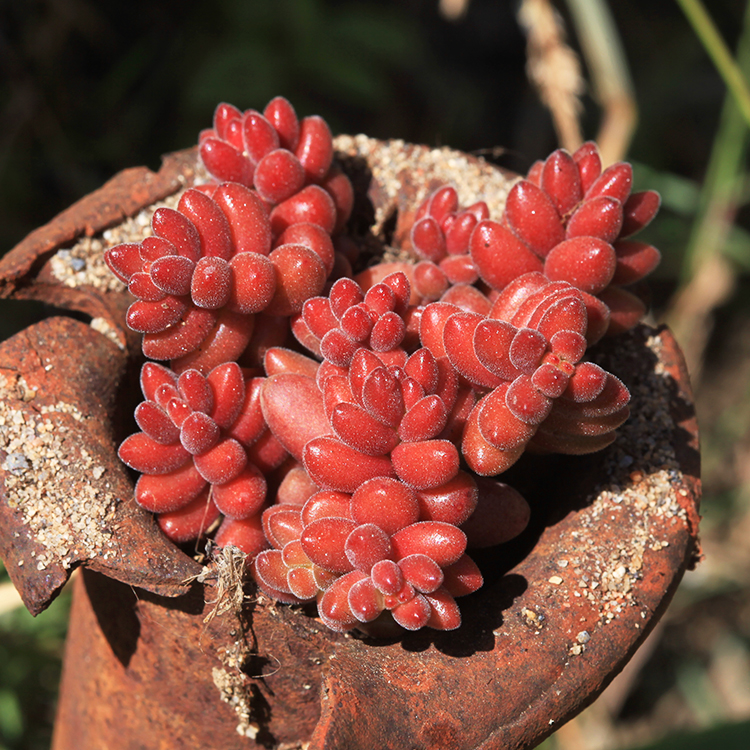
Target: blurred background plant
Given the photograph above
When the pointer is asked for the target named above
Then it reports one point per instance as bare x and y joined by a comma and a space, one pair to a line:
89, 88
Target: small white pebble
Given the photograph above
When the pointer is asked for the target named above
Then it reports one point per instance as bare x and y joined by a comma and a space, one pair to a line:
16, 463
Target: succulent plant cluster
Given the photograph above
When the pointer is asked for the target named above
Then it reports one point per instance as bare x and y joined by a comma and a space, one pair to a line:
348, 437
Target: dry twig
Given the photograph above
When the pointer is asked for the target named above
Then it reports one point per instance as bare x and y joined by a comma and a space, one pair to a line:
610, 78
554, 69
452, 10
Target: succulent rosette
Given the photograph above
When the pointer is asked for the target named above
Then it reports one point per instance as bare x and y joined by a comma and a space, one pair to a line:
572, 221
239, 246
383, 534
440, 236
203, 450
360, 467
287, 161
568, 219
201, 276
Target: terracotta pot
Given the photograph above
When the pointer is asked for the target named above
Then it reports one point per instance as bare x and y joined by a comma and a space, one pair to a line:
165, 652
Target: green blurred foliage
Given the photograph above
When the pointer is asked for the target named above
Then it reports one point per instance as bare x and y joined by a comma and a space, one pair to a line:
30, 663
727, 737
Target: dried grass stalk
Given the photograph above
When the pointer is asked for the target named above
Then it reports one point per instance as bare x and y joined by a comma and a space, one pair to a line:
610, 78
554, 69
452, 10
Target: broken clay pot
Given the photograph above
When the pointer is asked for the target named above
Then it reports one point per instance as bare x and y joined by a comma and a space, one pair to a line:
166, 652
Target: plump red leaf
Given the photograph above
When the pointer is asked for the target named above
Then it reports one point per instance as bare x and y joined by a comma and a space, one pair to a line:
324, 542
425, 464
144, 454
244, 533
333, 465
587, 263
311, 204
280, 113
365, 601
428, 239
444, 612
561, 180
210, 221
243, 496
589, 164
414, 614
422, 572
259, 135
367, 545
382, 397
199, 433
181, 339
278, 176
360, 430
153, 420
634, 260
189, 522
333, 606
155, 317
452, 502
624, 309
169, 492
458, 338
225, 162
312, 236
431, 326
442, 542
615, 181
222, 463
325, 504
173, 274
300, 274
386, 502
195, 391
292, 406
249, 224
253, 283
501, 514
596, 217
224, 343
533, 217
498, 425
639, 210
430, 280
424, 421
463, 577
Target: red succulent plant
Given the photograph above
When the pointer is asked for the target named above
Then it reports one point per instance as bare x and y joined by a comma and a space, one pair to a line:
571, 220
287, 161
359, 476
200, 452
